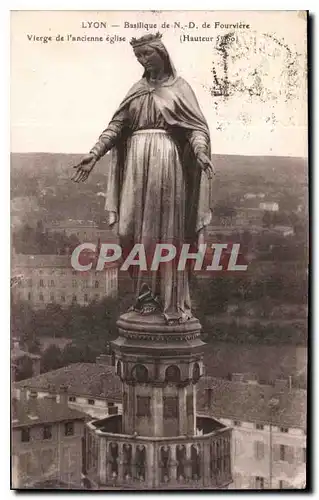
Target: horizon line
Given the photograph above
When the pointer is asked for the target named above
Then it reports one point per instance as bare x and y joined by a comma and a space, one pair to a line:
213, 154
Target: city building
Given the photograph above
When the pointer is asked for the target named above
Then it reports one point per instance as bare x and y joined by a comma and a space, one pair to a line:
269, 430
47, 442
159, 441
92, 388
269, 422
85, 231
45, 279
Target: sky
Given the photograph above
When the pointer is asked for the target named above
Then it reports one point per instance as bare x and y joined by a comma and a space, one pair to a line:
64, 93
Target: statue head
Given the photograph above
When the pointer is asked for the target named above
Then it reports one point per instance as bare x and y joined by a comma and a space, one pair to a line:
151, 53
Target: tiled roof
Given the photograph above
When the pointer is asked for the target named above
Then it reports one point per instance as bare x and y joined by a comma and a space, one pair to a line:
39, 261
250, 402
41, 411
81, 379
231, 400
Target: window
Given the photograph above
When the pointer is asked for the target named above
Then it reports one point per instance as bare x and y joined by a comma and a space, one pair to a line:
47, 432
74, 283
259, 450
170, 409
52, 297
260, 427
259, 482
30, 282
86, 298
281, 484
41, 282
69, 429
304, 455
236, 423
25, 435
91, 402
97, 284
72, 399
62, 298
29, 296
74, 273
172, 374
74, 298
286, 453
143, 406
52, 283
96, 296
284, 429
41, 297
196, 372
140, 373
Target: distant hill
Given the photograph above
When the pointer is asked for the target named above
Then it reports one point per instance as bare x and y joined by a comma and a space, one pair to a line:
45, 178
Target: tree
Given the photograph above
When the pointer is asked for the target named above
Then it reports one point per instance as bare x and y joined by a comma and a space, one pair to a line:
51, 359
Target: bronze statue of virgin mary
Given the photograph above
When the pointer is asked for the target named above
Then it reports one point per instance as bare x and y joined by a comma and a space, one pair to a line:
156, 190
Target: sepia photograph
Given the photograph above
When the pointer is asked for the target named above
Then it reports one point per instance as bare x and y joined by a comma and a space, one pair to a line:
159, 250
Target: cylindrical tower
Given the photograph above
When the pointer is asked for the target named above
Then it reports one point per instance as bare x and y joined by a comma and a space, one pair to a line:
159, 366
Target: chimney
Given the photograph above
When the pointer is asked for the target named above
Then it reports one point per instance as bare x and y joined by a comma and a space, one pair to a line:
64, 395
32, 406
281, 384
104, 384
237, 377
23, 396
51, 397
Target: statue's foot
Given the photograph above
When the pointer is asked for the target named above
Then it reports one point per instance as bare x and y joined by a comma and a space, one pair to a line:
146, 302
177, 318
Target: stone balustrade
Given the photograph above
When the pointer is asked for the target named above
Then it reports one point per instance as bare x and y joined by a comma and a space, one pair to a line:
126, 461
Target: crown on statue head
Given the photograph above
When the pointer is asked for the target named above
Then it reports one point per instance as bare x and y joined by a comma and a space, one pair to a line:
137, 42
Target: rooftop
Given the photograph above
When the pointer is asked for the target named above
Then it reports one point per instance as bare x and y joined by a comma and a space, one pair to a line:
38, 261
233, 400
22, 261
250, 402
40, 411
17, 352
82, 379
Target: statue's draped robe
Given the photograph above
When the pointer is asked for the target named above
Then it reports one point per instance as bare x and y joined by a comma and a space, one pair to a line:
154, 183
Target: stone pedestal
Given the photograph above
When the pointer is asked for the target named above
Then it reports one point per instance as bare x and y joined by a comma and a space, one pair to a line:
170, 446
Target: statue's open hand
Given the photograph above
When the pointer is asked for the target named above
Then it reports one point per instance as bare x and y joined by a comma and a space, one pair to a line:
84, 168
206, 165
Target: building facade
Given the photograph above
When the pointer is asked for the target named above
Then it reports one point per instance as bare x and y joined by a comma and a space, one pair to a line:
269, 430
85, 231
46, 279
47, 442
92, 388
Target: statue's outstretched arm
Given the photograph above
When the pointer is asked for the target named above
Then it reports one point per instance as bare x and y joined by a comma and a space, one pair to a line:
110, 135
